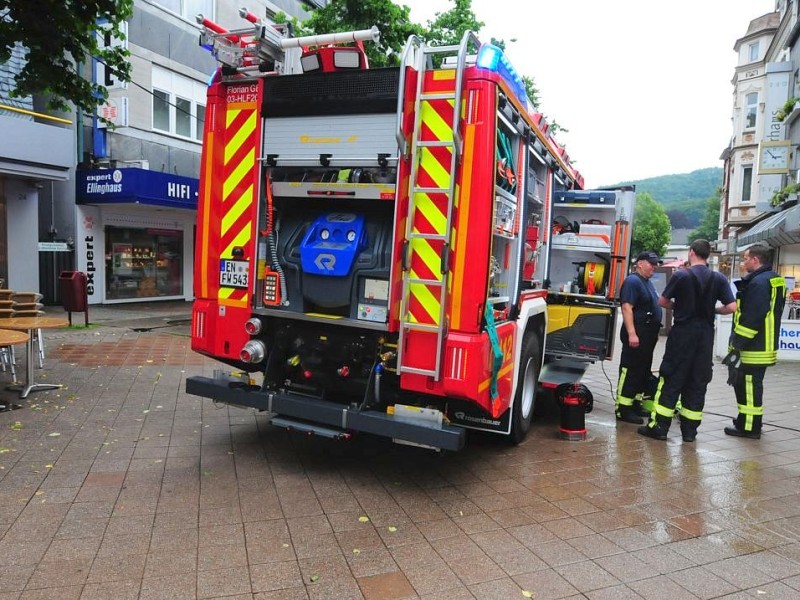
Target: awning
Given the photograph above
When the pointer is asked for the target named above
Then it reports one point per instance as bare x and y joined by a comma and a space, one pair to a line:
779, 229
135, 186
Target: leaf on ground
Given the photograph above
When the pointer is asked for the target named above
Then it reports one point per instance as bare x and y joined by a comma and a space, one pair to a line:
16, 426
356, 551
392, 528
314, 578
527, 594
54, 434
363, 519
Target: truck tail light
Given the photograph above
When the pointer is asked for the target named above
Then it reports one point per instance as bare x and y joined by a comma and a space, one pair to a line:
253, 352
253, 326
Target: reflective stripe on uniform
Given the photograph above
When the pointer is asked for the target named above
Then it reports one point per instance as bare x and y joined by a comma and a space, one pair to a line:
692, 415
623, 400
749, 410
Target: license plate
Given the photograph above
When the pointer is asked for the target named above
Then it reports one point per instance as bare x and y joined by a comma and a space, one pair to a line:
234, 273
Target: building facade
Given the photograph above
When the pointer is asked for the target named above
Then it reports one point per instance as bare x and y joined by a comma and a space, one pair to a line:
762, 165
37, 158
117, 203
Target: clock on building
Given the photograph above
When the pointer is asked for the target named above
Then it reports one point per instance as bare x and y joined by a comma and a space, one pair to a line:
773, 157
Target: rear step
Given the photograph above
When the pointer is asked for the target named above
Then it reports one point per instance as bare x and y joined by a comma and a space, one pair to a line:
311, 429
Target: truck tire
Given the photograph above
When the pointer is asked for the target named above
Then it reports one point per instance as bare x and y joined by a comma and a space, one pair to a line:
525, 396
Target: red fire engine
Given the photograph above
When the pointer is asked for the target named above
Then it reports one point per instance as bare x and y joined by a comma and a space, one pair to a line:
404, 252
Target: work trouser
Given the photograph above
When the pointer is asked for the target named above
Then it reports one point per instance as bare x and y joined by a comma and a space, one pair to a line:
685, 372
635, 365
749, 388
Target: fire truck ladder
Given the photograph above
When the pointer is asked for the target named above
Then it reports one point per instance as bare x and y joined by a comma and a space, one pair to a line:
435, 155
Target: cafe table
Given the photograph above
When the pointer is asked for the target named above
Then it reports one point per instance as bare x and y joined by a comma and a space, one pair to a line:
8, 338
31, 324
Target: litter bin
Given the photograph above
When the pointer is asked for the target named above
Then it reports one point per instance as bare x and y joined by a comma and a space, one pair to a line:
575, 400
74, 297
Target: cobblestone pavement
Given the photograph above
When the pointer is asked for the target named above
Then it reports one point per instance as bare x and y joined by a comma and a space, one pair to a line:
120, 485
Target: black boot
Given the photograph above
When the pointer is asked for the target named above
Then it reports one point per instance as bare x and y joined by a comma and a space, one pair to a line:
657, 433
627, 414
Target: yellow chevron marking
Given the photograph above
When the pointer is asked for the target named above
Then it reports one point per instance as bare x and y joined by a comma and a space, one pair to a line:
431, 212
439, 173
242, 170
484, 385
429, 256
241, 136
238, 302
241, 239
426, 299
235, 211
435, 122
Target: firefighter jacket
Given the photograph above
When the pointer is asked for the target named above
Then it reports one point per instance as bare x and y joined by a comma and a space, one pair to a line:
757, 321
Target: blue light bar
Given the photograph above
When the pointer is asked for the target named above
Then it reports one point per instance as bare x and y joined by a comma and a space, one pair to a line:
491, 58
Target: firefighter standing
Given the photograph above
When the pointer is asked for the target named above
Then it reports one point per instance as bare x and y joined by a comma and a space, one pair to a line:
687, 365
641, 320
754, 340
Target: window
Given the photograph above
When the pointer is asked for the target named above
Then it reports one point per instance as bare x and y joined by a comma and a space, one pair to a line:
747, 183
178, 104
753, 52
183, 117
160, 110
189, 8
750, 110
201, 119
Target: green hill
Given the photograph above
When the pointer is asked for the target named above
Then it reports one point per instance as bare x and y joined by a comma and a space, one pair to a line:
683, 195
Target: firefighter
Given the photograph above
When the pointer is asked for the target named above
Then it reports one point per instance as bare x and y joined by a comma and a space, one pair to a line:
760, 298
641, 320
687, 366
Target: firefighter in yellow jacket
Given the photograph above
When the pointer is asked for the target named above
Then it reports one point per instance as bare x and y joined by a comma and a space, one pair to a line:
754, 340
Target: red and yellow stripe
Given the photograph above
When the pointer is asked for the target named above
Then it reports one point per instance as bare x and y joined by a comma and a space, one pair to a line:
238, 189
430, 212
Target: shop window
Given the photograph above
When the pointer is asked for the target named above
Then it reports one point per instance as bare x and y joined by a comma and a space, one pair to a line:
143, 263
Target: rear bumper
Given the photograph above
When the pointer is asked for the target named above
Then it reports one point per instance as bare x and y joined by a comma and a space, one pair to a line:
343, 417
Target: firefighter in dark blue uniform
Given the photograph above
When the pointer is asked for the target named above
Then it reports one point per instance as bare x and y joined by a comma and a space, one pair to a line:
753, 345
641, 320
687, 366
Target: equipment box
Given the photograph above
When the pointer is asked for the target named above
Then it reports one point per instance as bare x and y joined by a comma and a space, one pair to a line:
585, 197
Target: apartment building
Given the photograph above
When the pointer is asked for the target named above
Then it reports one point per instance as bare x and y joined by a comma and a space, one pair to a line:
762, 163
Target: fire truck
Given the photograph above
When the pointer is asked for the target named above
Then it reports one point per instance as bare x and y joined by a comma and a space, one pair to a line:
405, 252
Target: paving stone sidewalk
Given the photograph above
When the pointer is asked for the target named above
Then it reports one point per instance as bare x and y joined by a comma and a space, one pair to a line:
120, 485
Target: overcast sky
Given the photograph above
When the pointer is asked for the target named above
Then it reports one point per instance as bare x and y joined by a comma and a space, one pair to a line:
643, 87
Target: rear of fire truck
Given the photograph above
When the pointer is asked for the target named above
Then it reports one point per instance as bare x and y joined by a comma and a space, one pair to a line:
362, 260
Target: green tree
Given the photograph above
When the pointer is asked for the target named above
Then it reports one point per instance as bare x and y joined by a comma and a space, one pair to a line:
709, 225
57, 36
347, 15
651, 228
447, 28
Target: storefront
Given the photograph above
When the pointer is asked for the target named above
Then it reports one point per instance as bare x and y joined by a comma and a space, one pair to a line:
135, 234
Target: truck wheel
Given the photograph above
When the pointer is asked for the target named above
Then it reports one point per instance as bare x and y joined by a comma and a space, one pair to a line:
525, 396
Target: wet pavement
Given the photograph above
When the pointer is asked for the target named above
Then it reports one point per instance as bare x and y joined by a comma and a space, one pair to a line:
120, 485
